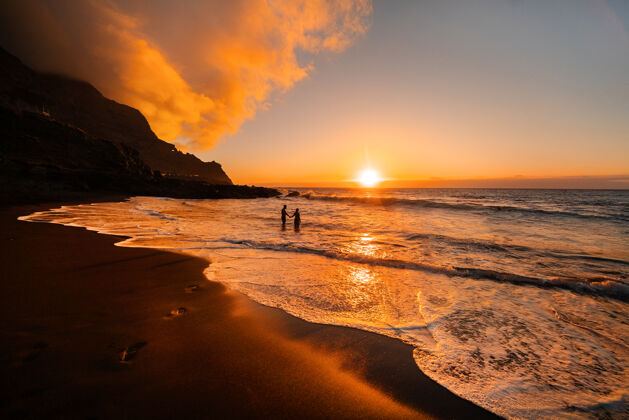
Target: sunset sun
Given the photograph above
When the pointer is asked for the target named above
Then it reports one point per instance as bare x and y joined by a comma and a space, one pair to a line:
369, 177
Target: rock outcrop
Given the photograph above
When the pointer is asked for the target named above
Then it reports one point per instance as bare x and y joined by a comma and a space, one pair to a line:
42, 159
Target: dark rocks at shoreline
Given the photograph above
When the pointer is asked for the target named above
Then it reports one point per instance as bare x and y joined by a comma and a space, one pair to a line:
43, 159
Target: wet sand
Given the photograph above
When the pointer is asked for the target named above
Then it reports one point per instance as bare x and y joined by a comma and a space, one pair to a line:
73, 305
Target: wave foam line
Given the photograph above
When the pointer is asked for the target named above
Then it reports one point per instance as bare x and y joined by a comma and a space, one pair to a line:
593, 286
501, 247
425, 203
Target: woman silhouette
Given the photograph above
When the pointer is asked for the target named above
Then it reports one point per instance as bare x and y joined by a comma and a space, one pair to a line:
297, 217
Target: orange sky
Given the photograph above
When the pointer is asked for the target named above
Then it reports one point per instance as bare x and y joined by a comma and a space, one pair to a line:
476, 89
314, 91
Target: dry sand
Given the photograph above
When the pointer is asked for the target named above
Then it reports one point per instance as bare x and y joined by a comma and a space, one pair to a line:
73, 305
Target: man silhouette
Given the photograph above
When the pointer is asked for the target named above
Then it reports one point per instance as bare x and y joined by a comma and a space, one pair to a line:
284, 214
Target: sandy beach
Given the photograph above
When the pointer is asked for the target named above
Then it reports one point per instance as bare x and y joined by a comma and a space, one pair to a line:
74, 305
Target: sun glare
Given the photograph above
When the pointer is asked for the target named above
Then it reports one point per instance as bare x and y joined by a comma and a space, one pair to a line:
368, 177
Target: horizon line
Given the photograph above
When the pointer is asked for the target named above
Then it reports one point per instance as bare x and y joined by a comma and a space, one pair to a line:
589, 182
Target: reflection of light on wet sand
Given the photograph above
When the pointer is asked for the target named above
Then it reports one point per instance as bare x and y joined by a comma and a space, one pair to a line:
361, 288
316, 372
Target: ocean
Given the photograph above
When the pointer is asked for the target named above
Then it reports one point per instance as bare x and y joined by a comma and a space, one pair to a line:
517, 300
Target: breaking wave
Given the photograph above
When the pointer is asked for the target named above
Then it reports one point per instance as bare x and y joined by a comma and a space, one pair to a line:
468, 206
588, 286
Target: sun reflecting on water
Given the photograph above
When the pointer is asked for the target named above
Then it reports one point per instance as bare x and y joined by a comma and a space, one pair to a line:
361, 275
364, 245
366, 238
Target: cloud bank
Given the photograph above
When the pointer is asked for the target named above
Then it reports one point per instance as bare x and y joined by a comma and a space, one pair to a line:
196, 69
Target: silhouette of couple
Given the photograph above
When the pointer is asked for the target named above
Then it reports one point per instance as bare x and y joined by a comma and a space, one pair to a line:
296, 215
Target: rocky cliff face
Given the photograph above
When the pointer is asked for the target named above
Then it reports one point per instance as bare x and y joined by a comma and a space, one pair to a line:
42, 159
39, 155
79, 104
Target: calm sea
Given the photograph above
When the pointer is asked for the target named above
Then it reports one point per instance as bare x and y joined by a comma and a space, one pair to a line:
517, 300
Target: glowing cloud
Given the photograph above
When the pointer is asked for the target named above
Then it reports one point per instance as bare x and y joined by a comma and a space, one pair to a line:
195, 69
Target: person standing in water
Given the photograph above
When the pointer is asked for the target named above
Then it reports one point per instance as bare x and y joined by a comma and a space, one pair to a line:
284, 214
297, 217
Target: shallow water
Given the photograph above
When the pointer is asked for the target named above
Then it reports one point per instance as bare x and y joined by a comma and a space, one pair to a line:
517, 300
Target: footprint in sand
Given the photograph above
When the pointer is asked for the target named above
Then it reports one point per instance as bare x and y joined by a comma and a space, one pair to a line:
129, 353
192, 288
33, 352
175, 313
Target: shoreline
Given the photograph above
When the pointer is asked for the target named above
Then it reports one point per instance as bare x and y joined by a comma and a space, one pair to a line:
73, 303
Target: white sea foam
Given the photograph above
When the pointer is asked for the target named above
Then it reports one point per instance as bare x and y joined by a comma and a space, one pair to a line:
521, 351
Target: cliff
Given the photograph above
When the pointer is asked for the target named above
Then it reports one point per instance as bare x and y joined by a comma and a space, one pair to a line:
61, 139
42, 159
79, 104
